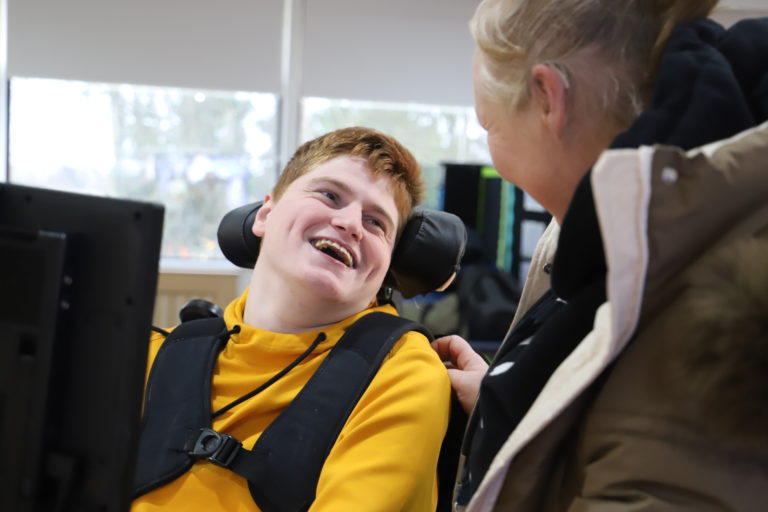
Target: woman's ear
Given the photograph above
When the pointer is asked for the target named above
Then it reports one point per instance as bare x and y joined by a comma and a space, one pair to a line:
260, 221
549, 89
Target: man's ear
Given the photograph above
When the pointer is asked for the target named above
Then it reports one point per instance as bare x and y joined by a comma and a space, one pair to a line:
549, 93
260, 221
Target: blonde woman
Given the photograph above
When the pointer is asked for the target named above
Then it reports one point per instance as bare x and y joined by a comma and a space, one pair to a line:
633, 376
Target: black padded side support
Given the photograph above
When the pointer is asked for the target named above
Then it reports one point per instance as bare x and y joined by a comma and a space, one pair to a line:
236, 240
284, 467
428, 252
177, 400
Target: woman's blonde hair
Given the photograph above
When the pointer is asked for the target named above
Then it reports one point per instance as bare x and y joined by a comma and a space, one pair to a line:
625, 38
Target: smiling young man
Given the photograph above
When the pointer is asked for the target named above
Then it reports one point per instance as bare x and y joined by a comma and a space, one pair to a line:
328, 229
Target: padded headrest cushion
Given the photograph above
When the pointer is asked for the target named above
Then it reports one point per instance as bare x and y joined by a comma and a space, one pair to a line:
236, 239
426, 256
428, 253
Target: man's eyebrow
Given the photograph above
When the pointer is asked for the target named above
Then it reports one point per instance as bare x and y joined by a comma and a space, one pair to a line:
345, 188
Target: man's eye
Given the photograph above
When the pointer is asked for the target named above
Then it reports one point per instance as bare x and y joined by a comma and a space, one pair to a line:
375, 222
330, 195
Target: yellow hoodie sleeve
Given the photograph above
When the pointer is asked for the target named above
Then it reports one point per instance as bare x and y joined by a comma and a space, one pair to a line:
385, 458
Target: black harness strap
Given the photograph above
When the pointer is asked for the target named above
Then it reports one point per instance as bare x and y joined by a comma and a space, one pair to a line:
284, 466
177, 401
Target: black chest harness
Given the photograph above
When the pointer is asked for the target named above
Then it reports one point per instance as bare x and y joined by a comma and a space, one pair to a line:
283, 467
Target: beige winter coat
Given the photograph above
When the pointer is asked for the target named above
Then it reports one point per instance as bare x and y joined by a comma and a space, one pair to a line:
680, 419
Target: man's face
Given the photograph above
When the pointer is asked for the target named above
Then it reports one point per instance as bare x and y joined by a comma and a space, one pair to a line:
331, 233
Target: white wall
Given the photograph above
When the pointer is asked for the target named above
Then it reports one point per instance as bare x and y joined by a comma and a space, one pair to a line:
417, 50
394, 50
4, 90
232, 45
401, 50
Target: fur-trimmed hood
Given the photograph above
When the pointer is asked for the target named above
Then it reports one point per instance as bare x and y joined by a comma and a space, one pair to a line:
721, 351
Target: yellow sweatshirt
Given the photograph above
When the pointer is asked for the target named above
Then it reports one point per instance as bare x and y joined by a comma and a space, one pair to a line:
385, 457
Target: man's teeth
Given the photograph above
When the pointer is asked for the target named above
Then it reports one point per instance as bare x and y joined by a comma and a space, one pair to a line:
333, 249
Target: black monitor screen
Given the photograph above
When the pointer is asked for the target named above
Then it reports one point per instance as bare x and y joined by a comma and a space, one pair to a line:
78, 276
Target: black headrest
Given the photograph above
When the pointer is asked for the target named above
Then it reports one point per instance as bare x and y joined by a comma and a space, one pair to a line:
426, 256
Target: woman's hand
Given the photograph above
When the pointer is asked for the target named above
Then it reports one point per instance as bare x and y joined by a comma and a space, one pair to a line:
466, 368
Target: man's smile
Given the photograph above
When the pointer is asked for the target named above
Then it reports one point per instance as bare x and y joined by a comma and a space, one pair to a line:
334, 250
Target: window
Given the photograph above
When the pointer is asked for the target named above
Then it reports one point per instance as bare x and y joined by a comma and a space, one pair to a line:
198, 152
434, 134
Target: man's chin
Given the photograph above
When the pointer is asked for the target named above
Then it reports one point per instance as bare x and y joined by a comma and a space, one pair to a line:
330, 289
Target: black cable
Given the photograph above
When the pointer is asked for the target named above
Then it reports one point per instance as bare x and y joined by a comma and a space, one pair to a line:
272, 380
160, 331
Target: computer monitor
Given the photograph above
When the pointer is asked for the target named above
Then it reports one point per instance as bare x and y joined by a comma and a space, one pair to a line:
78, 277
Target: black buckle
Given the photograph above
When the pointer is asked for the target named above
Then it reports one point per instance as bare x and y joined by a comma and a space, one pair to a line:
215, 447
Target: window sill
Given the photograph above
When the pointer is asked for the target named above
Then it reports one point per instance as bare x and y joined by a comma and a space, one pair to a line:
189, 266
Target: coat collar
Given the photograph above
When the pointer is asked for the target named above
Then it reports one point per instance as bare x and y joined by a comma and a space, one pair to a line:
708, 88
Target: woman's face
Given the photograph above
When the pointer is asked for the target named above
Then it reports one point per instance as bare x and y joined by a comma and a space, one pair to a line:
543, 146
516, 142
